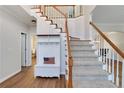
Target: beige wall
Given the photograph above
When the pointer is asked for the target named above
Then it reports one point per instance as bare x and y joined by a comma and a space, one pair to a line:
10, 44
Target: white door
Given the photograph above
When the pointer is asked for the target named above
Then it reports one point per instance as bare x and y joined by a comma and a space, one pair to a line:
23, 49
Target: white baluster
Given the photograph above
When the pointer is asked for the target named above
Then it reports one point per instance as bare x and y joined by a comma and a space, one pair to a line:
102, 54
98, 45
102, 50
107, 57
113, 60
117, 74
52, 13
103, 47
109, 65
123, 73
109, 62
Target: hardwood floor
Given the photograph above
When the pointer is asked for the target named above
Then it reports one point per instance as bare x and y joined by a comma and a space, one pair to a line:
25, 79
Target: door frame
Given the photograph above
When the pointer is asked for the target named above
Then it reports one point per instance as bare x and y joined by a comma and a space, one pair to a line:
25, 63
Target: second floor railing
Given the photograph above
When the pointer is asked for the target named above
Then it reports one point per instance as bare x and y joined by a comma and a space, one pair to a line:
71, 11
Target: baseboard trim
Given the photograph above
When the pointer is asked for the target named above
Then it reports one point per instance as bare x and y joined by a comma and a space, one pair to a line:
9, 76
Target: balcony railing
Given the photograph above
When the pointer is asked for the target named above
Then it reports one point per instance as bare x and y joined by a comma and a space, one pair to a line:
71, 11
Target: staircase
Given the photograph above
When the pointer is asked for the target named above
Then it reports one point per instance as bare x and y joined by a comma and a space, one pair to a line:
87, 70
52, 26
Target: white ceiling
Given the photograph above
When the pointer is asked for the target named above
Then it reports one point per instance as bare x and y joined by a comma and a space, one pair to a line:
19, 13
108, 14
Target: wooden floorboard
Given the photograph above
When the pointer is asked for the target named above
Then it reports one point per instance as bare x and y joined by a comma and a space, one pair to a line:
25, 79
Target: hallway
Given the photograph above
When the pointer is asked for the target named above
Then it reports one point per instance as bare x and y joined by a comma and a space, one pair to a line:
25, 79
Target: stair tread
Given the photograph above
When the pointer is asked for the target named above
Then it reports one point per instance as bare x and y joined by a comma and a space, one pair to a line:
82, 45
86, 63
82, 49
88, 70
93, 84
76, 40
85, 56
89, 77
79, 44
84, 59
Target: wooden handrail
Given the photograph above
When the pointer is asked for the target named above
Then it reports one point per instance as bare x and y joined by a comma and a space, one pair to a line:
118, 50
70, 60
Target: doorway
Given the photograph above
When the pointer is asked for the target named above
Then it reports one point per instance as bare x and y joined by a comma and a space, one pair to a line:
33, 48
23, 49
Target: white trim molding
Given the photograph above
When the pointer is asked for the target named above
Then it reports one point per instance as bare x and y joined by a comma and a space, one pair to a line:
9, 76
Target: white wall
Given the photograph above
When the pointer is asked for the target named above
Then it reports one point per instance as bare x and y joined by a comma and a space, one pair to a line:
87, 9
10, 47
110, 27
43, 27
108, 14
117, 38
78, 27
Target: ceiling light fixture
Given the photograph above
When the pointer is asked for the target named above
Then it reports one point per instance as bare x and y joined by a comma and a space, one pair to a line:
33, 21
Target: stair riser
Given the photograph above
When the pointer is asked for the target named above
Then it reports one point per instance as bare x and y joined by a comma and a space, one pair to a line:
87, 73
84, 54
93, 84
53, 26
81, 47
90, 78
48, 22
57, 30
44, 18
79, 43
85, 59
85, 64
39, 14
36, 10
